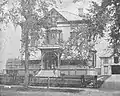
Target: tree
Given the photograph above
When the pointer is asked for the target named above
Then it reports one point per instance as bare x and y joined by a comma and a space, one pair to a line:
3, 13
87, 34
29, 15
113, 8
3, 21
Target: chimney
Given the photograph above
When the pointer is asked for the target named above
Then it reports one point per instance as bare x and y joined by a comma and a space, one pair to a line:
80, 12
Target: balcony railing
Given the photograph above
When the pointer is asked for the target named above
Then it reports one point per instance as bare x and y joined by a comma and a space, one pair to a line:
48, 46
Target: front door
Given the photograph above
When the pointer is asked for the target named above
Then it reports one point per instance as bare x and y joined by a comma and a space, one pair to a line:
50, 60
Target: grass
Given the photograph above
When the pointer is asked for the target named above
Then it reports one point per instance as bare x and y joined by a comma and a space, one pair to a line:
22, 89
50, 92
38, 92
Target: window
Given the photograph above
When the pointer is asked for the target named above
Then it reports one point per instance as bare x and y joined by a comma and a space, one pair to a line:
61, 36
105, 61
54, 22
105, 69
116, 59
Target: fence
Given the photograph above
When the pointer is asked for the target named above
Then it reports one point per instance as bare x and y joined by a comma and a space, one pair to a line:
63, 81
81, 71
73, 71
11, 80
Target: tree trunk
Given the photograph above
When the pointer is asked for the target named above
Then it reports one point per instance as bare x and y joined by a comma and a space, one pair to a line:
26, 80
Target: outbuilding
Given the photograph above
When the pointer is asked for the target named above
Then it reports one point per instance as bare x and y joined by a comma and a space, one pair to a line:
110, 64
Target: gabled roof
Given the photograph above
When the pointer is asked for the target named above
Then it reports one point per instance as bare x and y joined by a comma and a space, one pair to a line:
107, 54
68, 16
54, 10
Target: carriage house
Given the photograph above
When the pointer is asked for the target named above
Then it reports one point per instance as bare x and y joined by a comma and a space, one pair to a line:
110, 64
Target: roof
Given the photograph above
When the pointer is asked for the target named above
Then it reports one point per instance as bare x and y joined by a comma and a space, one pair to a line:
50, 47
67, 15
12, 61
70, 16
106, 54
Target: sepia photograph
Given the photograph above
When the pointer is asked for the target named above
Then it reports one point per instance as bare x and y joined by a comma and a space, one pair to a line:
59, 48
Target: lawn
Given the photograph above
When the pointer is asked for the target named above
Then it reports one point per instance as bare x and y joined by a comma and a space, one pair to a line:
55, 92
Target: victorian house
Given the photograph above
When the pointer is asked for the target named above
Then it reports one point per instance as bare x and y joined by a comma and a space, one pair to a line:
64, 25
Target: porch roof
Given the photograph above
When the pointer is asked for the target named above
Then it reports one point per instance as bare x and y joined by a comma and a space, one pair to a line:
107, 54
50, 47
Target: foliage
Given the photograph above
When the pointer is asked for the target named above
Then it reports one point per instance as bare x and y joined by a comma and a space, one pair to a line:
3, 22
108, 13
97, 21
3, 13
112, 7
28, 14
87, 34
77, 47
74, 1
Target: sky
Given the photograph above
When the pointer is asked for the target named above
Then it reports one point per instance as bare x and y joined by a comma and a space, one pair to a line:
11, 36
11, 45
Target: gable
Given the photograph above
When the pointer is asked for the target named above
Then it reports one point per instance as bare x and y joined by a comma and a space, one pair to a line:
60, 18
107, 54
65, 15
70, 16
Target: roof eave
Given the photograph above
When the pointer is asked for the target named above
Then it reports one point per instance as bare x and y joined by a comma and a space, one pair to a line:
74, 22
106, 56
58, 13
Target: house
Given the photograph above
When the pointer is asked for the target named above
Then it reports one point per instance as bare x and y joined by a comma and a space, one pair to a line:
16, 66
110, 64
62, 25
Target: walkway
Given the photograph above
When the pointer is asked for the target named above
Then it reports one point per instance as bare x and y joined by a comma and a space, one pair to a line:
48, 73
112, 83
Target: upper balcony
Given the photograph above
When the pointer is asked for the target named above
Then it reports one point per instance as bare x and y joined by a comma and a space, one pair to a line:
50, 47
53, 39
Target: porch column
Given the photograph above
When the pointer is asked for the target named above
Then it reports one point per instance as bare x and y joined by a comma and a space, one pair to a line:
110, 70
41, 63
59, 61
94, 60
59, 39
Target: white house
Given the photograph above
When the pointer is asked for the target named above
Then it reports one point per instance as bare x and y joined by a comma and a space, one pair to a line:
64, 26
